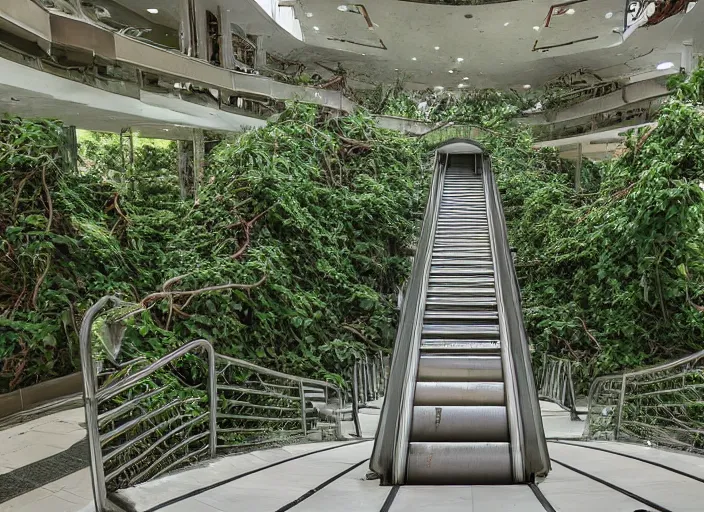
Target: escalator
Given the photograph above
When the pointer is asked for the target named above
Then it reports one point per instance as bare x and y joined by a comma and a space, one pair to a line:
461, 406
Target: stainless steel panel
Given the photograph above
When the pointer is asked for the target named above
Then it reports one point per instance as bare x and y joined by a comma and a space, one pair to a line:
461, 331
460, 346
460, 369
458, 463
459, 393
459, 424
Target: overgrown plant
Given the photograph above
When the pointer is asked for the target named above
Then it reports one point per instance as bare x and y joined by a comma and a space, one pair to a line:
318, 213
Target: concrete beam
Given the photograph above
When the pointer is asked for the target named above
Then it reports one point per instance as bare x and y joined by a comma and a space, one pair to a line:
633, 93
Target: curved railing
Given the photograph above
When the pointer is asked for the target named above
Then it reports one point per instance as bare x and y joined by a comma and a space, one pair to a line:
555, 382
663, 404
146, 418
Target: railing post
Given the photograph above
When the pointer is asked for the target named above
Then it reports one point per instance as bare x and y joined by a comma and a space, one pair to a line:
90, 401
621, 400
355, 401
304, 425
213, 401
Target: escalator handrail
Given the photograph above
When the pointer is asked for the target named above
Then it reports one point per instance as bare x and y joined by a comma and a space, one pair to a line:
534, 450
388, 454
515, 420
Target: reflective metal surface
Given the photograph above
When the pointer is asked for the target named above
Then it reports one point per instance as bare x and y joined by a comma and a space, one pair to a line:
459, 463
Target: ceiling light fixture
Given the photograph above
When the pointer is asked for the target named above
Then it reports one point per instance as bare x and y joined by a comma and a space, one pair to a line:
309, 15
466, 78
413, 58
570, 12
460, 59
536, 28
342, 8
665, 65
316, 28
527, 86
507, 24
451, 71
153, 11
461, 85
437, 48
608, 15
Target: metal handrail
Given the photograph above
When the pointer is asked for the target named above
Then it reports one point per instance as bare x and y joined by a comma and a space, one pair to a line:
387, 454
556, 384
529, 427
143, 421
651, 403
94, 397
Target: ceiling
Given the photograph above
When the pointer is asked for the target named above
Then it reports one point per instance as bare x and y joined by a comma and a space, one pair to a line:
505, 45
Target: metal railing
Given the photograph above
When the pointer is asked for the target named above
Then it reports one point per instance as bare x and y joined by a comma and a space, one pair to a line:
663, 405
556, 383
146, 418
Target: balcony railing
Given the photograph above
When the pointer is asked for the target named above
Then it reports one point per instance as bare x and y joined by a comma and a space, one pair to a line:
146, 418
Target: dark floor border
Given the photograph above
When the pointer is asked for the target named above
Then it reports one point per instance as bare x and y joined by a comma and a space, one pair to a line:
317, 488
37, 474
614, 487
634, 457
390, 499
541, 498
210, 487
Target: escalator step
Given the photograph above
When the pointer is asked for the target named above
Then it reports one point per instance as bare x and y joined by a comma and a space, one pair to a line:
459, 393
459, 424
471, 368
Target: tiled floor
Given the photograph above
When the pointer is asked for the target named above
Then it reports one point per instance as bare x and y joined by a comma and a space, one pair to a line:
27, 444
280, 486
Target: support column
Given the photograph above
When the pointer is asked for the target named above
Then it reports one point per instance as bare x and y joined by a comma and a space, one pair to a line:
260, 54
198, 161
70, 150
200, 25
578, 170
127, 156
185, 168
227, 55
191, 165
688, 63
185, 8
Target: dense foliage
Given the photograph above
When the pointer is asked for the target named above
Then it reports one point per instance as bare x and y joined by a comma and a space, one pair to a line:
319, 212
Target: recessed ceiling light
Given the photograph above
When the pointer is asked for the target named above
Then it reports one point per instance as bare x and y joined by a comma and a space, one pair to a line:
665, 65
309, 15
395, 69
342, 8
439, 87
451, 71
466, 78
507, 24
413, 58
608, 15
527, 86
364, 54
437, 48
461, 85
460, 59
536, 28
570, 12
316, 28
153, 11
